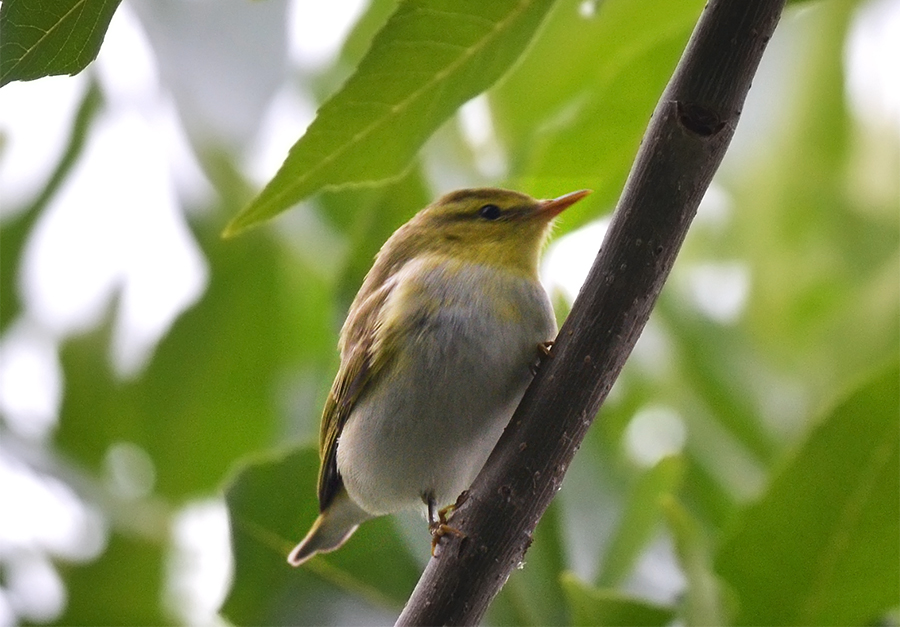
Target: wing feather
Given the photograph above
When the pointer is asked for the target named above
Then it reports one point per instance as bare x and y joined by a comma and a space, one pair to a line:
359, 366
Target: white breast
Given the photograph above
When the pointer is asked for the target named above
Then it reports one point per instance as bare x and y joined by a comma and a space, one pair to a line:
431, 418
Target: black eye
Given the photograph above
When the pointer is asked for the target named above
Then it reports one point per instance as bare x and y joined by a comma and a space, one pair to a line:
490, 212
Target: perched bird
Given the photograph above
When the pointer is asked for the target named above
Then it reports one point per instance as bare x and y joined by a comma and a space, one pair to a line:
436, 352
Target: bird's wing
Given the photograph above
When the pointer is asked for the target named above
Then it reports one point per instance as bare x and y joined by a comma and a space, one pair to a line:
360, 363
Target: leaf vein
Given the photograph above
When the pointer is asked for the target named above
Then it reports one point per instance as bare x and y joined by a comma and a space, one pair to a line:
283, 195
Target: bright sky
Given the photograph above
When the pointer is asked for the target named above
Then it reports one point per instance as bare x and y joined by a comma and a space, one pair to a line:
121, 206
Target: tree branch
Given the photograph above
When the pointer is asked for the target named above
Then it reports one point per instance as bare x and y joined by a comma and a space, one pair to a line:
681, 150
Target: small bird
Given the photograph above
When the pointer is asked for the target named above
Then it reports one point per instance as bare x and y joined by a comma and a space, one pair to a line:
436, 352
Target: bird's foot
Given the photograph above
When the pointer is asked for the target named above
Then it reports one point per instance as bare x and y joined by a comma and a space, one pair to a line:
439, 528
543, 349
438, 531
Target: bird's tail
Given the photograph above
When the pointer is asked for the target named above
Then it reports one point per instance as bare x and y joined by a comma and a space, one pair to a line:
331, 529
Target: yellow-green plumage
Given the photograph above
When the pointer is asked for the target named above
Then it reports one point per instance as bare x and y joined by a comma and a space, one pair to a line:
436, 352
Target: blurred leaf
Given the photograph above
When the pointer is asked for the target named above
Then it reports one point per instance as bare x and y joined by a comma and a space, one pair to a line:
640, 519
601, 607
834, 313
13, 236
705, 601
705, 494
48, 37
600, 77
359, 39
533, 595
822, 547
238, 57
431, 57
15, 230
210, 392
267, 500
122, 587
709, 357
368, 217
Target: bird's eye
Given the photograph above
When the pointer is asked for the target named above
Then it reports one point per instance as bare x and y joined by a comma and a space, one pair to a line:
489, 212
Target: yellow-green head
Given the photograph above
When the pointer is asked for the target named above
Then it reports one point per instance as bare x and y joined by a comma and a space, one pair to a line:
487, 226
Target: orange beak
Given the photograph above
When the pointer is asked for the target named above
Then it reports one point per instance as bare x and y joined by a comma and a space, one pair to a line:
552, 208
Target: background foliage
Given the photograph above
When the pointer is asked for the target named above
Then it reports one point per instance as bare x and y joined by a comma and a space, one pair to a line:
772, 496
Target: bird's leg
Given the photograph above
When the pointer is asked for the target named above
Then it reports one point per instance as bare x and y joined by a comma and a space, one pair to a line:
543, 349
437, 521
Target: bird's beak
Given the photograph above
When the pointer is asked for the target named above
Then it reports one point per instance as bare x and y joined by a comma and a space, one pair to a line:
552, 208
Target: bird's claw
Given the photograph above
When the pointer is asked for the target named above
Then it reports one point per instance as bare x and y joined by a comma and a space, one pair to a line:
439, 528
543, 349
438, 531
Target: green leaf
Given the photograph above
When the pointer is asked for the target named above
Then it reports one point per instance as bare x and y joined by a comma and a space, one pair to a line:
596, 606
271, 503
709, 355
48, 37
431, 57
822, 546
122, 587
704, 601
640, 519
359, 39
834, 314
368, 217
16, 230
209, 394
582, 126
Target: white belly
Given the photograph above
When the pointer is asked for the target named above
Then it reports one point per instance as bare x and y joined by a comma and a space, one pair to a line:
431, 418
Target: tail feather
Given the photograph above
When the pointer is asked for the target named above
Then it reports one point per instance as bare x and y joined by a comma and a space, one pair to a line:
331, 529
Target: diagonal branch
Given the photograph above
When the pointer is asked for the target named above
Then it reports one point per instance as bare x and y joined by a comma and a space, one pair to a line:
681, 150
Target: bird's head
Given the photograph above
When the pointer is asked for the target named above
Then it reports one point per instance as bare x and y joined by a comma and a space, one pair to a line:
487, 226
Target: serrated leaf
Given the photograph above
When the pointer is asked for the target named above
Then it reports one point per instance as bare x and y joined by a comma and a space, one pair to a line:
49, 37
822, 547
599, 606
431, 57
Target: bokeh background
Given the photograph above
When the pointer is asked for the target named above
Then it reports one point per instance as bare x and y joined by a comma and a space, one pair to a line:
147, 365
